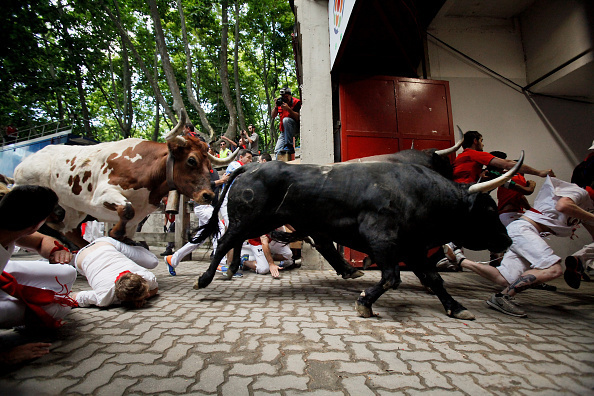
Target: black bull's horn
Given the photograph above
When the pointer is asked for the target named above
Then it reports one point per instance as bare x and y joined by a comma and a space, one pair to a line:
178, 130
454, 148
499, 181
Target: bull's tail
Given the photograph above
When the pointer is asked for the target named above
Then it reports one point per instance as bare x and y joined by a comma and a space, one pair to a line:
211, 228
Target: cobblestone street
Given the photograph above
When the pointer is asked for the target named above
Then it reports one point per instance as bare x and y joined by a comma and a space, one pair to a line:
301, 334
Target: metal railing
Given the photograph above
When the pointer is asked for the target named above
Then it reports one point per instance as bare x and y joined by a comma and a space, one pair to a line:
37, 132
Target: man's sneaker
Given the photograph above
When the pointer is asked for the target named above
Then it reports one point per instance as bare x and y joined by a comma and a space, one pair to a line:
290, 264
503, 303
169, 266
453, 258
244, 258
222, 269
573, 271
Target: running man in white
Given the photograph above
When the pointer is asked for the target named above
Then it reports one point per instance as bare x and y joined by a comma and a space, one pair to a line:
558, 209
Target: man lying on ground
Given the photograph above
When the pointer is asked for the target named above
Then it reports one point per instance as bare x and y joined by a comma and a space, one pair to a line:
118, 273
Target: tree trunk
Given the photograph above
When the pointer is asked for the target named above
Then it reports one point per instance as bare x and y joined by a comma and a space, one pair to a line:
128, 114
224, 73
83, 103
189, 73
157, 112
147, 73
178, 102
236, 70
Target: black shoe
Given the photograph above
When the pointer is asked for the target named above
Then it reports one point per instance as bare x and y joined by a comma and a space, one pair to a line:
573, 272
289, 149
167, 252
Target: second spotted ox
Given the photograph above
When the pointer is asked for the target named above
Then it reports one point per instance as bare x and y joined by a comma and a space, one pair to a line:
123, 181
392, 212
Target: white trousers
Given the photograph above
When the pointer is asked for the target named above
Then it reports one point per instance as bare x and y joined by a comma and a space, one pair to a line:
586, 254
203, 213
257, 253
41, 274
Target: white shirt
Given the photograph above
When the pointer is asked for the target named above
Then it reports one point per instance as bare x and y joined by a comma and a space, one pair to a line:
550, 193
102, 267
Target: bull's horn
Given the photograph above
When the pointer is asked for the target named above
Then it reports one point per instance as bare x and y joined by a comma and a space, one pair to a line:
223, 161
178, 129
499, 181
454, 148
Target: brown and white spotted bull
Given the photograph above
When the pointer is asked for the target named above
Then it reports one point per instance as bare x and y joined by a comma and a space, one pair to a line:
122, 181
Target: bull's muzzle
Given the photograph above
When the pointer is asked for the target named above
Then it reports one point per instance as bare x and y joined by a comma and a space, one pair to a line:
203, 197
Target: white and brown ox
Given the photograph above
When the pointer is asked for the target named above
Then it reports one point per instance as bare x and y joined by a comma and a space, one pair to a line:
121, 182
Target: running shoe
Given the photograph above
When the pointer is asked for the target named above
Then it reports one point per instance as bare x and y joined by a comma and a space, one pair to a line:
169, 266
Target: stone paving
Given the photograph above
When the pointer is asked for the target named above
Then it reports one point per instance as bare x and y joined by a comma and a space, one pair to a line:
300, 334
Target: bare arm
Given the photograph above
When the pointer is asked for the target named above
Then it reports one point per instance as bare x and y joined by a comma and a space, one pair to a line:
268, 254
292, 113
44, 244
569, 208
508, 164
229, 140
527, 190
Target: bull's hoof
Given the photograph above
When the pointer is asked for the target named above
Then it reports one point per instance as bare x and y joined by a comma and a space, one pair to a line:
362, 310
463, 314
229, 274
354, 275
202, 282
367, 262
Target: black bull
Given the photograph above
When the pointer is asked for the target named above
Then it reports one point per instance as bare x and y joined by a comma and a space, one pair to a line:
392, 212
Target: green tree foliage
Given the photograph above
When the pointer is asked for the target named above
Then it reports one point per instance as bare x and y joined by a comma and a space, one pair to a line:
66, 60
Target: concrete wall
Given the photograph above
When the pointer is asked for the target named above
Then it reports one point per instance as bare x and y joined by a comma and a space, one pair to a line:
317, 143
316, 112
509, 120
553, 32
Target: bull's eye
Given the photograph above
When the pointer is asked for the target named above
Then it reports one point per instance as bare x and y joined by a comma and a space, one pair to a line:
192, 162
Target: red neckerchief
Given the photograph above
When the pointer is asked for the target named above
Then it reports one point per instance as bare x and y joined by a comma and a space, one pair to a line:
35, 297
242, 164
120, 275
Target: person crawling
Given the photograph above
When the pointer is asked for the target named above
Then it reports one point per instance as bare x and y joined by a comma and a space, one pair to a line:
118, 273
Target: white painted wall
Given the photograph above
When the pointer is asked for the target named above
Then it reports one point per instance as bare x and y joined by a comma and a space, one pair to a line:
507, 119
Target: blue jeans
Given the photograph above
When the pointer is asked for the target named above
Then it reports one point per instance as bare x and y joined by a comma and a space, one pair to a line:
291, 127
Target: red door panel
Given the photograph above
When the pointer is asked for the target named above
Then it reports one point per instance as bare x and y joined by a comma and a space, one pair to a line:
359, 146
369, 106
383, 114
423, 109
